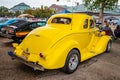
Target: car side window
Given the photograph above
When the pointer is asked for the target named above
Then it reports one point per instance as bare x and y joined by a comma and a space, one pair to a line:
85, 24
91, 24
41, 24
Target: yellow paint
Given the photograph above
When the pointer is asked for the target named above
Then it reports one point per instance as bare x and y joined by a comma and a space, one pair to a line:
55, 41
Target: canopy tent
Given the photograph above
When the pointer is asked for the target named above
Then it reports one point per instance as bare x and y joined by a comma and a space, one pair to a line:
25, 15
111, 18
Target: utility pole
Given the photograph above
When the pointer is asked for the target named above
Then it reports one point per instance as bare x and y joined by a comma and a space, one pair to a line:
101, 13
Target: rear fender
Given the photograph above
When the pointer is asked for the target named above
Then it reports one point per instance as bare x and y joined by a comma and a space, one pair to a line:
57, 58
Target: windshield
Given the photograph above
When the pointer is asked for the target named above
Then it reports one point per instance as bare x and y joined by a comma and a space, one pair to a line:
61, 20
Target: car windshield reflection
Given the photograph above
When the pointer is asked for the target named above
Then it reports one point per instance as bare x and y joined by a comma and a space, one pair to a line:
61, 20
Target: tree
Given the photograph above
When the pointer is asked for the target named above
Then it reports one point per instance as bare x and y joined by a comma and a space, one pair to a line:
42, 12
28, 11
3, 11
101, 4
17, 13
10, 14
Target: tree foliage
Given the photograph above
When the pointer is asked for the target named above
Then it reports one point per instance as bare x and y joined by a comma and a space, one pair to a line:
28, 11
100, 5
3, 11
17, 13
42, 12
95, 4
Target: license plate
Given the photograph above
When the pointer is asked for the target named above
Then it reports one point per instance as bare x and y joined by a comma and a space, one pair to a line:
25, 55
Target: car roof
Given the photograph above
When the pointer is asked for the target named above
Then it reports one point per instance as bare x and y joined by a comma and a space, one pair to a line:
25, 23
20, 22
74, 16
70, 15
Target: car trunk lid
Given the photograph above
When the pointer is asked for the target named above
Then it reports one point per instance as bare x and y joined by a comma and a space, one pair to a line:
40, 39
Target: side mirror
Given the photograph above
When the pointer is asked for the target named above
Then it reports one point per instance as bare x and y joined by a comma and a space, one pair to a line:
14, 45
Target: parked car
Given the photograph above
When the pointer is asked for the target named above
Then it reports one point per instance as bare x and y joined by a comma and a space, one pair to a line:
117, 32
66, 40
10, 21
18, 31
3, 20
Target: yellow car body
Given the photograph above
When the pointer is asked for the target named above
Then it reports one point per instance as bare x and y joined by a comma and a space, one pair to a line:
50, 46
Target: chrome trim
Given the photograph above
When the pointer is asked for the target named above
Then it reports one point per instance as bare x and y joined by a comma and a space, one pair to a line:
35, 66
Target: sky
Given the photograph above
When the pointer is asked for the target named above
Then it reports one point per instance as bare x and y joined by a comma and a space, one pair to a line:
37, 3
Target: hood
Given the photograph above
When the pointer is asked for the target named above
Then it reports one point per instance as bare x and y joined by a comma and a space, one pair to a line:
40, 39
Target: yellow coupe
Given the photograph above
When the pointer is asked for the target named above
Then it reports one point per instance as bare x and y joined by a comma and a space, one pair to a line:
66, 40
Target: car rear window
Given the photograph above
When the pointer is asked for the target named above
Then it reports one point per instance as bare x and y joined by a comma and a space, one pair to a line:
61, 20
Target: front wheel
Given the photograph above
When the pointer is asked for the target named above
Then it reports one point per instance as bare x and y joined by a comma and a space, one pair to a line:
72, 61
108, 48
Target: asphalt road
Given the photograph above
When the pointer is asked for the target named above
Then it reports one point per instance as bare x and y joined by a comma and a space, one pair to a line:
102, 67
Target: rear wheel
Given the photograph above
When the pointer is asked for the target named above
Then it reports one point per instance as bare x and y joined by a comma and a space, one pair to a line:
72, 61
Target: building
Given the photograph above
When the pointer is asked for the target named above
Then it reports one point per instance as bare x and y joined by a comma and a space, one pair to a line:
81, 8
20, 7
58, 8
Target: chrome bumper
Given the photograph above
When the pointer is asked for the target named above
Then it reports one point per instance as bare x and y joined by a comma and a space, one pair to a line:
6, 35
35, 66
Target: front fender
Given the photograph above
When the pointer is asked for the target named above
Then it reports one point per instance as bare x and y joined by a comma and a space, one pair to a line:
58, 54
102, 44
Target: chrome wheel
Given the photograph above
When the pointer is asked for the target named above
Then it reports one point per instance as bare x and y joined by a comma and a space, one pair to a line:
108, 48
73, 62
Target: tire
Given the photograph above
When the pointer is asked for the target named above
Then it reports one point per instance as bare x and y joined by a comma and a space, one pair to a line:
72, 62
108, 48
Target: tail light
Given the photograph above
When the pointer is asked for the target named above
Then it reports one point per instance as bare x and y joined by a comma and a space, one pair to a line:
41, 55
19, 34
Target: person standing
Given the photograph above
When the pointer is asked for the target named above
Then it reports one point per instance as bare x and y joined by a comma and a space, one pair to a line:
107, 29
117, 31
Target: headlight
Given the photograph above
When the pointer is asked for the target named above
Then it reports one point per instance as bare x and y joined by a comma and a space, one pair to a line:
3, 29
10, 31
